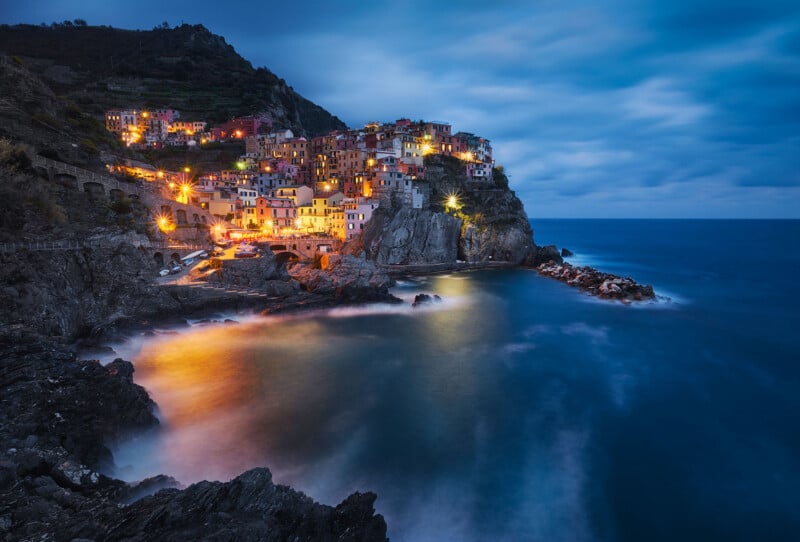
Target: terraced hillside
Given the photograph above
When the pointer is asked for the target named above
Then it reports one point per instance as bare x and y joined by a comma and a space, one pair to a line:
186, 68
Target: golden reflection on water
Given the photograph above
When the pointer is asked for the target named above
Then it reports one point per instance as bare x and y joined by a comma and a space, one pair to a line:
298, 394
222, 391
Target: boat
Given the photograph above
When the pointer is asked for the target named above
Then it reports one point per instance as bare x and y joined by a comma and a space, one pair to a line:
245, 250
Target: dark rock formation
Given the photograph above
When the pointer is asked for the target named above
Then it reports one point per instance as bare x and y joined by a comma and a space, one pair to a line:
248, 508
488, 224
263, 273
346, 278
566, 253
75, 408
68, 293
425, 299
411, 236
594, 282
57, 415
544, 254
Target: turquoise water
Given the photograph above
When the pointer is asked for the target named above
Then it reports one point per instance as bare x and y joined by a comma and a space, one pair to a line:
519, 408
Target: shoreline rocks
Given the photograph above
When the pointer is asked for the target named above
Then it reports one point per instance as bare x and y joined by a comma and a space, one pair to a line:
597, 283
57, 417
425, 299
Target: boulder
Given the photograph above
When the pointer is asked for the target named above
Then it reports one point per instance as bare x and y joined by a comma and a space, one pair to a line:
348, 279
545, 254
425, 299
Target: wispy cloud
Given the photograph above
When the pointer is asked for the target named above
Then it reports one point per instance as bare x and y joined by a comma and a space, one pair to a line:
627, 109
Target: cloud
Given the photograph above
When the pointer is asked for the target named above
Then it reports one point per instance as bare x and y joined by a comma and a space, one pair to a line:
628, 109
659, 100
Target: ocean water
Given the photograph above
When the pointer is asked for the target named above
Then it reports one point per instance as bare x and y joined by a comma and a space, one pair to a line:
518, 408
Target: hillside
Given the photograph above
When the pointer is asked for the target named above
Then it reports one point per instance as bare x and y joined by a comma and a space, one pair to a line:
186, 68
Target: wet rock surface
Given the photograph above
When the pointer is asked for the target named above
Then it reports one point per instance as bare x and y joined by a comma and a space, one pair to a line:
57, 417
248, 508
597, 283
345, 279
425, 299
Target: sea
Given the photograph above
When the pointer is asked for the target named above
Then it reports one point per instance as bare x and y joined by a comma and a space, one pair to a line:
517, 408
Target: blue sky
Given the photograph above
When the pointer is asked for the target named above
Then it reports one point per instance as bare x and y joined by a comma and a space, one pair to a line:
613, 109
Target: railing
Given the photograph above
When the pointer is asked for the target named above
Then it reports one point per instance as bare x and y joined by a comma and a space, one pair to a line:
71, 244
107, 181
146, 190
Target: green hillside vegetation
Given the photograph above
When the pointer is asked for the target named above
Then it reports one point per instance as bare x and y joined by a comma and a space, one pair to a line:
186, 68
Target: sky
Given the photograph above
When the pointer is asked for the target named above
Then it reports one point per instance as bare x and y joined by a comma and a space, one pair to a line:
615, 109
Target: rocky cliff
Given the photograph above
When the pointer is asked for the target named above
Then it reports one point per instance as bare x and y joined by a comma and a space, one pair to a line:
400, 235
484, 222
57, 415
345, 278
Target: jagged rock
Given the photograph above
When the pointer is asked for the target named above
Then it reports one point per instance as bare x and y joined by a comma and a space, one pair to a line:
565, 253
546, 254
68, 293
349, 279
411, 236
248, 508
490, 225
77, 406
257, 273
58, 414
421, 299
594, 282
425, 299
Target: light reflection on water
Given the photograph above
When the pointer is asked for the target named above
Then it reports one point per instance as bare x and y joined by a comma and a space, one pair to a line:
513, 410
388, 398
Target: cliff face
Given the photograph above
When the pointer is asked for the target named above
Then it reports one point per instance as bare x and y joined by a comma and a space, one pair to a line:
486, 223
69, 293
498, 230
408, 236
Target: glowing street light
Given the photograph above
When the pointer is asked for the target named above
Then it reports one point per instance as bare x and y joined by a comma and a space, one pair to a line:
184, 190
451, 202
165, 223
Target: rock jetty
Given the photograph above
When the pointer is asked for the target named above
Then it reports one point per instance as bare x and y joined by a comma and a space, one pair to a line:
597, 283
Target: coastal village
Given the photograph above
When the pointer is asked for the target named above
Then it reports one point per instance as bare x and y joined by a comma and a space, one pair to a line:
288, 186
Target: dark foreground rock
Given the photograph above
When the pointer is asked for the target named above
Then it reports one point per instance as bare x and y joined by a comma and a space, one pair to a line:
249, 508
425, 299
597, 283
57, 417
544, 254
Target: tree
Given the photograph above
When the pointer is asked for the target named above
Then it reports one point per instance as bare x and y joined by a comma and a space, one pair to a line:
79, 22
